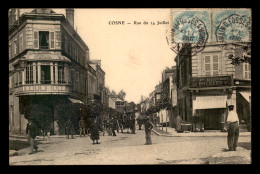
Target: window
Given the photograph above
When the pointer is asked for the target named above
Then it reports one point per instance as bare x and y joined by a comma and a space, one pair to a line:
77, 80
10, 50
36, 72
247, 70
72, 79
54, 81
21, 43
29, 74
15, 47
211, 64
20, 77
61, 73
44, 39
45, 74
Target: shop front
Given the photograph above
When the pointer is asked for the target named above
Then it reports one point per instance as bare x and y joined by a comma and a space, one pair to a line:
210, 98
212, 110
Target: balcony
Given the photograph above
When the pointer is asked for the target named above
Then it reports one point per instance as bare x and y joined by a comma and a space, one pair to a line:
38, 89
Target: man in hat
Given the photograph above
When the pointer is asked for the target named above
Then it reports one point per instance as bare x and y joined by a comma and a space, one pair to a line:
148, 125
233, 129
31, 131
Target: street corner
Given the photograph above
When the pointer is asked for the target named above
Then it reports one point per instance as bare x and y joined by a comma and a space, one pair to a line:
13, 153
240, 156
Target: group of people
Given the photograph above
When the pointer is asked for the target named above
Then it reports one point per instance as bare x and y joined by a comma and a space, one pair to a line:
114, 123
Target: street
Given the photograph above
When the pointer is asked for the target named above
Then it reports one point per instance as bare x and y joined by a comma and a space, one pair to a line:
126, 149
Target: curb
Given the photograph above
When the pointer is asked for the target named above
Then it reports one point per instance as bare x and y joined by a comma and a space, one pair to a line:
193, 135
242, 156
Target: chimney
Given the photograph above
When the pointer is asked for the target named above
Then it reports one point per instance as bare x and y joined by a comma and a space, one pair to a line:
70, 16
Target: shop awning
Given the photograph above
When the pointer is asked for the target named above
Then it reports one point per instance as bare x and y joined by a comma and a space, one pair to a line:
75, 100
210, 102
246, 95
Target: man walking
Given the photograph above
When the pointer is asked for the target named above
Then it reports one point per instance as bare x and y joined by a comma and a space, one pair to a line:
233, 129
113, 125
148, 125
82, 126
69, 129
31, 131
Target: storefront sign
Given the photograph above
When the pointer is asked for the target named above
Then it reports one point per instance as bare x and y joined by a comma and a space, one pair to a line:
200, 82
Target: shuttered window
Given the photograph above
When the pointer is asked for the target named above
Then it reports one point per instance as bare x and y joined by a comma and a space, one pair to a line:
10, 50
36, 40
247, 71
211, 65
21, 43
24, 40
52, 39
215, 64
29, 73
15, 47
207, 65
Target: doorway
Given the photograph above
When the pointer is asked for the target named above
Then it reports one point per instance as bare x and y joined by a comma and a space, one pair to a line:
212, 118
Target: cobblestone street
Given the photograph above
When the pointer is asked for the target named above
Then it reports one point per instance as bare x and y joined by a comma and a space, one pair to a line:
127, 149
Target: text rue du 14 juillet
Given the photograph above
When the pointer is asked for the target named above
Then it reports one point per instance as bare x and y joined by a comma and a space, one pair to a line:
137, 23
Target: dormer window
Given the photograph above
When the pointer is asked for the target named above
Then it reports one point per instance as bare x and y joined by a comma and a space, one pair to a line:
44, 40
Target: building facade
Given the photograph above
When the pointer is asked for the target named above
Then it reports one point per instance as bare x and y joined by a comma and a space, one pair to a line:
48, 65
207, 83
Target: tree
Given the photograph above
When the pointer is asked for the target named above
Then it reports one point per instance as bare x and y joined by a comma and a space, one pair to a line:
122, 94
243, 56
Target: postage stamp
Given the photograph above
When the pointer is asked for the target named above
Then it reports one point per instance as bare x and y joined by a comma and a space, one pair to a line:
190, 26
232, 25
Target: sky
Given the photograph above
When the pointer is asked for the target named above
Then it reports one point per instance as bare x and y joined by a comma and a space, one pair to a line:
132, 56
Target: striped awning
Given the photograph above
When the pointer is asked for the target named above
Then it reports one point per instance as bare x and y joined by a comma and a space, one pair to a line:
246, 95
210, 102
75, 100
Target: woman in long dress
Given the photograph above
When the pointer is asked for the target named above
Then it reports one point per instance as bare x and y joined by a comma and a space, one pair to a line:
94, 128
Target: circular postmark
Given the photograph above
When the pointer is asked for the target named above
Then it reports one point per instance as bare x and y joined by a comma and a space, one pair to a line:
234, 28
190, 30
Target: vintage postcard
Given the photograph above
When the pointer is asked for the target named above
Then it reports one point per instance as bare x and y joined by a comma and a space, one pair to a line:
129, 86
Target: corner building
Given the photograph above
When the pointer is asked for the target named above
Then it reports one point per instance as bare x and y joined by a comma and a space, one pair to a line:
207, 83
48, 64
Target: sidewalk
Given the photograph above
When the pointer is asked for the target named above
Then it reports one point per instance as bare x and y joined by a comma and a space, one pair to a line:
171, 132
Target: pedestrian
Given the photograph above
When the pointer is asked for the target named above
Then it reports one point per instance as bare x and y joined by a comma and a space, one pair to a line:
133, 124
139, 122
148, 125
69, 128
104, 126
113, 125
94, 132
178, 124
233, 129
82, 127
31, 131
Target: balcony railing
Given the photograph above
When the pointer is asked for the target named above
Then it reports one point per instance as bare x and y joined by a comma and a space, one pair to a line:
30, 89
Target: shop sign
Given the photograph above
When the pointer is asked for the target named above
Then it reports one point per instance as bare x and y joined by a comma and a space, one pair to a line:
200, 82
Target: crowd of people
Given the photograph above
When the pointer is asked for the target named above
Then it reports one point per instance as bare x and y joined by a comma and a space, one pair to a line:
117, 123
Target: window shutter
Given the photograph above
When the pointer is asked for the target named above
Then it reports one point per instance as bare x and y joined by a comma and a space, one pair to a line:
24, 40
21, 43
10, 50
215, 64
52, 39
35, 40
207, 65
